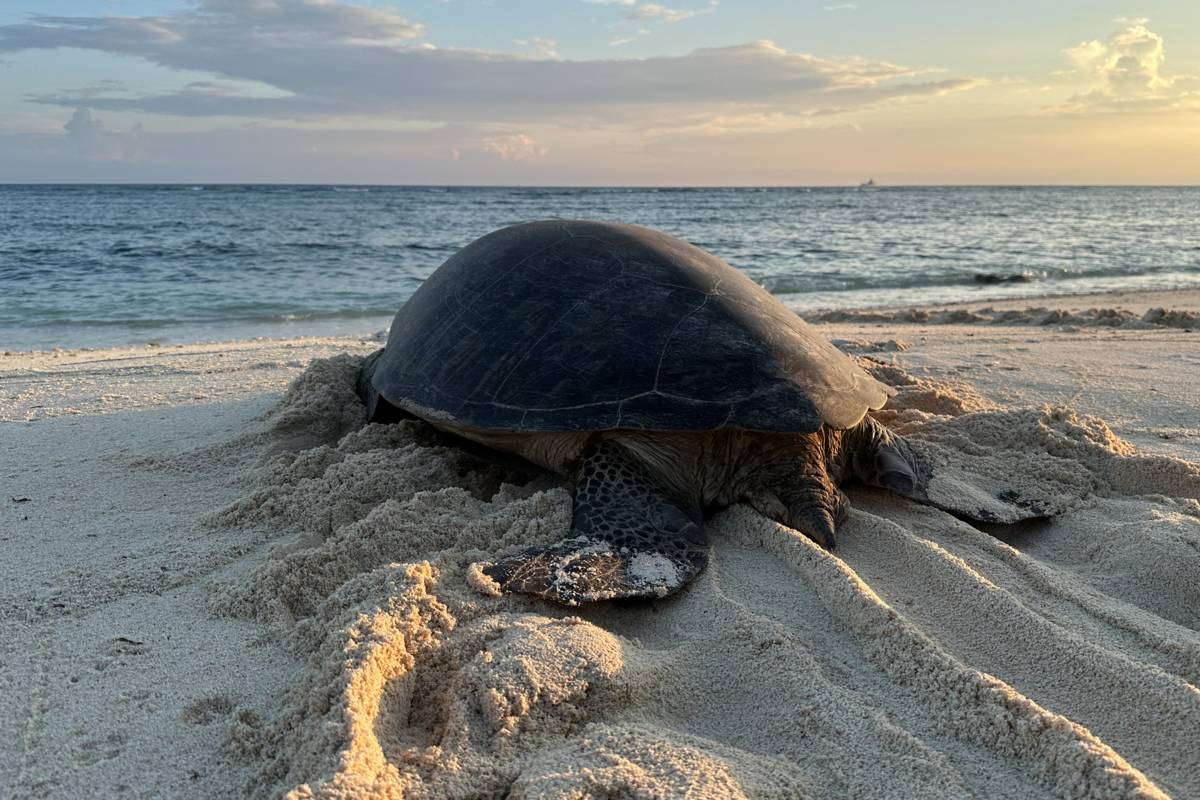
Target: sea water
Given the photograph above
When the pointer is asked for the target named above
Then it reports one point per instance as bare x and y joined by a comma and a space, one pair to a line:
109, 265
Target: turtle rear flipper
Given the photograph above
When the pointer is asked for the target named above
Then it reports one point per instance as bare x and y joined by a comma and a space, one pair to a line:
630, 537
378, 408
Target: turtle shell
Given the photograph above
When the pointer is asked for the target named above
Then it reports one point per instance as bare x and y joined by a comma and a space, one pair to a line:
587, 326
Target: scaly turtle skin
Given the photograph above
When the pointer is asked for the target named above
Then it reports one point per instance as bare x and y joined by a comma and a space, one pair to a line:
662, 381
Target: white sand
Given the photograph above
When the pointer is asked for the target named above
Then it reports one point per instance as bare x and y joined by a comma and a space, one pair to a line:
212, 592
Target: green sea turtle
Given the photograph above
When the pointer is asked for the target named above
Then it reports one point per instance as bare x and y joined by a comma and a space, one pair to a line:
663, 382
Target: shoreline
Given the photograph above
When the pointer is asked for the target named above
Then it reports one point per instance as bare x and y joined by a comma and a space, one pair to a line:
1137, 301
1134, 301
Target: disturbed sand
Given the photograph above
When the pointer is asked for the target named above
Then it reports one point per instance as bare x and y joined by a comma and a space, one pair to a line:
213, 587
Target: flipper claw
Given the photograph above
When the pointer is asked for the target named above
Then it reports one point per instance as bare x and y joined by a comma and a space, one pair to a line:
815, 523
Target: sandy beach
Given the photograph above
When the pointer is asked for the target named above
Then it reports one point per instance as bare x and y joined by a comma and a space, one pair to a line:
218, 582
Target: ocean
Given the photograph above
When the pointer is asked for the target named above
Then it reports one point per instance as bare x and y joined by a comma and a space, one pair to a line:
89, 266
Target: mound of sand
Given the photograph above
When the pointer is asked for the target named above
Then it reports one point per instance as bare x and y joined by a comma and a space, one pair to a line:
927, 657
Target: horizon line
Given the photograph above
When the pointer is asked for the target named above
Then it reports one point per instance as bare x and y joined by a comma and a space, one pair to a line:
631, 187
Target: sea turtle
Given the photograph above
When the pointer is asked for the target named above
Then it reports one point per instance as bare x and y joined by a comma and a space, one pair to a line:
662, 381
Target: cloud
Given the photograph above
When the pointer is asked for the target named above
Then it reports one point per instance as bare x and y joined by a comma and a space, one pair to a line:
318, 59
87, 137
279, 66
515, 147
543, 47
841, 7
621, 40
315, 19
88, 150
1125, 72
101, 87
654, 11
1128, 63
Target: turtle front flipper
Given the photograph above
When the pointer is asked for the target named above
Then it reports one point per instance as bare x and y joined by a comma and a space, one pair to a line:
922, 472
630, 537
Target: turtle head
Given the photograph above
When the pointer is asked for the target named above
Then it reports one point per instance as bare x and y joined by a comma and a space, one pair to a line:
878, 457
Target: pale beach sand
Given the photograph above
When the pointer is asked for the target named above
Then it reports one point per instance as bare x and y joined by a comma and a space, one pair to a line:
213, 588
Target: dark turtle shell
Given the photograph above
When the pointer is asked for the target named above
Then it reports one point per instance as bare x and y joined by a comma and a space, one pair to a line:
586, 326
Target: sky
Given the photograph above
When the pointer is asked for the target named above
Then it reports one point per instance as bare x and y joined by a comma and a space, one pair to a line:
600, 92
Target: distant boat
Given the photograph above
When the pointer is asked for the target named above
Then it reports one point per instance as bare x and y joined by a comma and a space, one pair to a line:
869, 183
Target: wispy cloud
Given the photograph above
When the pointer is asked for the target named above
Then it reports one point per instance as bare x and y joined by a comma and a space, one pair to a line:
323, 59
101, 87
655, 11
307, 19
541, 46
622, 40
331, 90
354, 90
